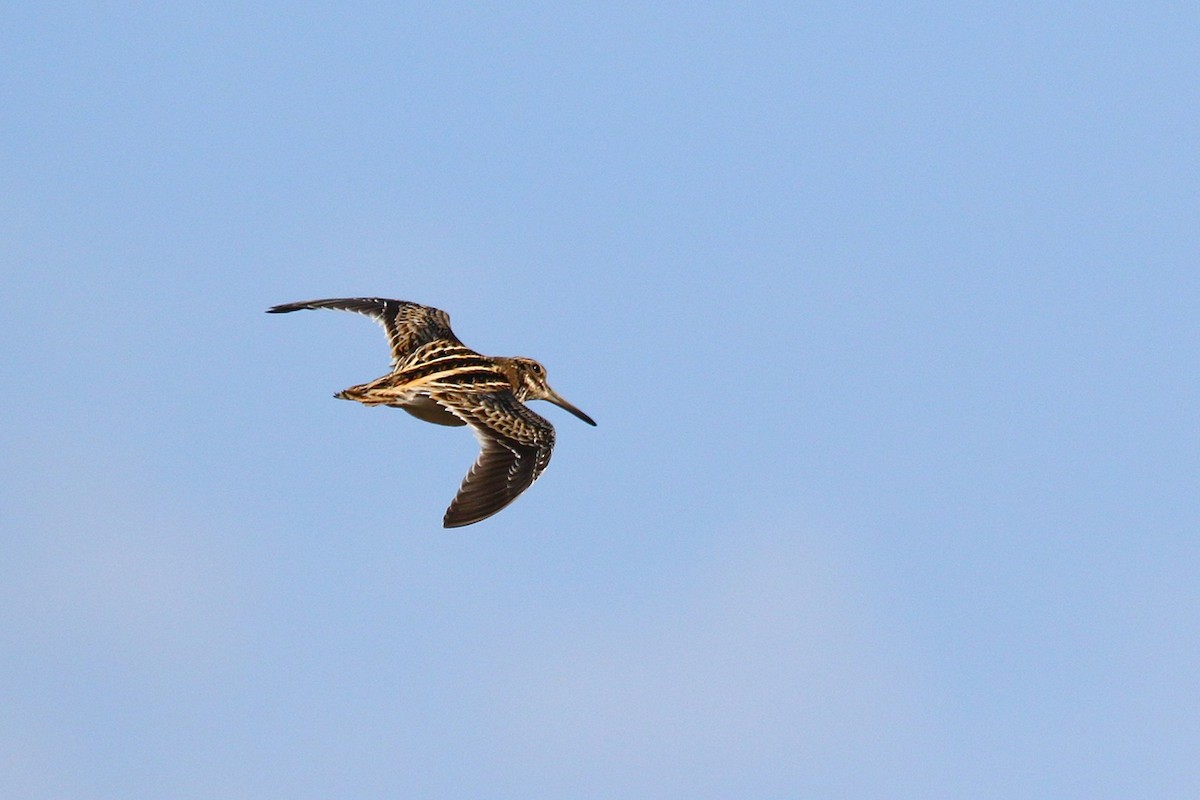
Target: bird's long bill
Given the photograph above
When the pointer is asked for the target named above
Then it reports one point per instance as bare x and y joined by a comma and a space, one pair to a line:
557, 399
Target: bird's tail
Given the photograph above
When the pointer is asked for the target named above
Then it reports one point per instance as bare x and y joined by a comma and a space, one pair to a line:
358, 394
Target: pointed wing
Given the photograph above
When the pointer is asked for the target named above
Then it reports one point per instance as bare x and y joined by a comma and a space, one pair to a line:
516, 445
408, 326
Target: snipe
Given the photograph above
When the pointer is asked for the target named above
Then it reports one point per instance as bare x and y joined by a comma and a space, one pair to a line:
437, 379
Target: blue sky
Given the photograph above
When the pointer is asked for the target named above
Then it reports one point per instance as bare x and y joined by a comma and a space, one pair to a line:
887, 316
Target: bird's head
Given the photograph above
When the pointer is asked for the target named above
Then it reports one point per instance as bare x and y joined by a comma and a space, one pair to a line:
528, 379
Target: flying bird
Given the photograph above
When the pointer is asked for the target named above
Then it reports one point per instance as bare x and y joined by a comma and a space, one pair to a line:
436, 378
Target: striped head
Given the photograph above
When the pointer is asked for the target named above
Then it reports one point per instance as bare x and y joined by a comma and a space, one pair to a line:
528, 379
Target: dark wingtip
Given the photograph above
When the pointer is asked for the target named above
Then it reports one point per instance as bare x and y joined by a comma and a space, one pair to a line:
459, 515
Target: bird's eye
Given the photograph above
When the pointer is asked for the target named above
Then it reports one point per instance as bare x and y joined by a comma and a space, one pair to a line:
537, 368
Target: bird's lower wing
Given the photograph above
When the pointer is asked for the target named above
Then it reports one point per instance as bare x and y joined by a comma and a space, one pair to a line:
515, 446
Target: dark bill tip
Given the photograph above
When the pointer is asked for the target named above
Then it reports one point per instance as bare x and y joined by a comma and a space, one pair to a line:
563, 404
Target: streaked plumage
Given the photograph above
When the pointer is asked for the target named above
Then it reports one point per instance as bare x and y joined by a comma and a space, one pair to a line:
436, 378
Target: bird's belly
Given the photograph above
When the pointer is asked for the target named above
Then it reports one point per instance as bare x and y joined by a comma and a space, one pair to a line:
423, 408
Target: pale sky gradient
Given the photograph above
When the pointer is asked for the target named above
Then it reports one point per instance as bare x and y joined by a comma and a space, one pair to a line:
887, 314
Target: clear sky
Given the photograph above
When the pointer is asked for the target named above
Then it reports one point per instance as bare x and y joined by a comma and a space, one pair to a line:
887, 314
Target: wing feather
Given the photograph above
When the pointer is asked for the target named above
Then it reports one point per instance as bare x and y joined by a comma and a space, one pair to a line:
408, 326
515, 446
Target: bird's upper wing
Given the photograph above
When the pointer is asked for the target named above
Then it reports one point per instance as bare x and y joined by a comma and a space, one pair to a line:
516, 445
408, 326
